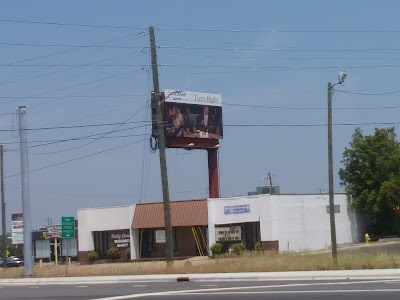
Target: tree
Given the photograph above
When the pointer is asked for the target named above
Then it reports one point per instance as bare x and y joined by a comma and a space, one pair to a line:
371, 176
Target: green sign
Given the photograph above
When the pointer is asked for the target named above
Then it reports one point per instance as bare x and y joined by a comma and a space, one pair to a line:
67, 227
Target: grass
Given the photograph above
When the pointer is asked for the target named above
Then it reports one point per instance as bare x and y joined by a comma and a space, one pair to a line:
246, 262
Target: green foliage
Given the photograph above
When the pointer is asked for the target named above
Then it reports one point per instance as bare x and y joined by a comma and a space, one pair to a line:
93, 255
128, 253
113, 253
238, 248
258, 246
371, 176
217, 248
13, 250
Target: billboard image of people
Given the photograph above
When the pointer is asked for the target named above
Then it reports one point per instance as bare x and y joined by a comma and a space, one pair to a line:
193, 115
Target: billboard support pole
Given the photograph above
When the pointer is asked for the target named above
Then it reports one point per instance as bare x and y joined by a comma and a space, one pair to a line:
26, 206
161, 146
3, 208
213, 180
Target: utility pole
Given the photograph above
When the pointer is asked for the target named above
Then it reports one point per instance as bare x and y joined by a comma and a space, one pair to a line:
270, 182
330, 170
26, 206
161, 146
3, 208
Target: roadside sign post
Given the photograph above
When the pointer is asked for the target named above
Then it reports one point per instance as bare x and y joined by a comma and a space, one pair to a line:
67, 232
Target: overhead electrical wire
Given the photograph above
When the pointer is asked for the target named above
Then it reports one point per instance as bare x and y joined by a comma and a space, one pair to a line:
78, 126
281, 49
70, 67
99, 137
78, 158
90, 136
79, 84
368, 94
311, 125
272, 30
309, 108
70, 45
223, 30
68, 50
71, 24
74, 96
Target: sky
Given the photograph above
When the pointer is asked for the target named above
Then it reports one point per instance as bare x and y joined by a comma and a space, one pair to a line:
78, 63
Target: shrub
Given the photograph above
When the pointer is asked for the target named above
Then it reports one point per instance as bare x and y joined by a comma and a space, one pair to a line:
258, 246
128, 253
93, 255
238, 248
217, 248
113, 253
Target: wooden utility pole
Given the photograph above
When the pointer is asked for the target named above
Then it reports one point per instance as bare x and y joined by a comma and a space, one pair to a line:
330, 175
3, 208
270, 182
161, 146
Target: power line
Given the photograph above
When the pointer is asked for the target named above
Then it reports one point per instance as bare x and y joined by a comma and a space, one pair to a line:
311, 125
309, 108
50, 142
282, 49
78, 158
91, 136
78, 65
73, 24
70, 67
81, 126
68, 50
80, 84
368, 94
74, 96
224, 30
71, 46
282, 67
99, 137
273, 30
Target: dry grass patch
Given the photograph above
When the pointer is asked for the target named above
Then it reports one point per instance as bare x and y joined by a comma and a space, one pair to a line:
247, 262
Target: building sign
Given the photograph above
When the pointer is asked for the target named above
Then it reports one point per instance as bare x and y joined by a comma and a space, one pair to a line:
237, 209
160, 237
17, 229
121, 240
52, 231
228, 234
191, 115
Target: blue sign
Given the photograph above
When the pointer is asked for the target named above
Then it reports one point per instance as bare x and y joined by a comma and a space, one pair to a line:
237, 209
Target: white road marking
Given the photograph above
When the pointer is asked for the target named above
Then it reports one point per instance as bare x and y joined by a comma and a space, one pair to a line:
33, 287
294, 292
139, 285
209, 285
82, 286
220, 290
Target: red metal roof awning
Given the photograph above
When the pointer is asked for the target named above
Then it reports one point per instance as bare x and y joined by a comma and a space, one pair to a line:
183, 214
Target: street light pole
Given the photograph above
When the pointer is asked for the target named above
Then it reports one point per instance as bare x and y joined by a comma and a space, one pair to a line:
341, 77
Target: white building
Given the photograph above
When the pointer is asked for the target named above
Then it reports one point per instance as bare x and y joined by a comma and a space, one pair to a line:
104, 227
284, 222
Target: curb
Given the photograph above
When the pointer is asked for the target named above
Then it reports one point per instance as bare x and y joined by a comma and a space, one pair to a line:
256, 276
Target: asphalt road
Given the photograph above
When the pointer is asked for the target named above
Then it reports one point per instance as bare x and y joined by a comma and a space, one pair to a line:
211, 290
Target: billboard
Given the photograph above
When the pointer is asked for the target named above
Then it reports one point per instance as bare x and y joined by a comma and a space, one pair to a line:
193, 115
17, 229
190, 116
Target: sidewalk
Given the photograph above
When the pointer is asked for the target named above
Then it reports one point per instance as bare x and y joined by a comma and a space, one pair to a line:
264, 276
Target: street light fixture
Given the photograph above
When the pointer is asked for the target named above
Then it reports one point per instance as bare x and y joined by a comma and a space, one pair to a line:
341, 78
